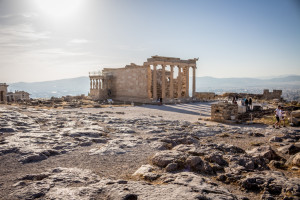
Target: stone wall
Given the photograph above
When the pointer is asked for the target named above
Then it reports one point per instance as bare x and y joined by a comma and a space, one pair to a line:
267, 95
223, 111
205, 95
94, 93
243, 95
129, 82
276, 94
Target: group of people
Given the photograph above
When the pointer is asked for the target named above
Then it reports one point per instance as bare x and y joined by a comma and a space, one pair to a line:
279, 114
245, 102
248, 103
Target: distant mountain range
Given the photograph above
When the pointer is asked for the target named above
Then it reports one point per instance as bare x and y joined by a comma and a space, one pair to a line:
56, 88
81, 85
244, 83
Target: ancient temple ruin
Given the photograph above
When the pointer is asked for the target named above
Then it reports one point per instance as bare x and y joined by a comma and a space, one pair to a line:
18, 96
159, 77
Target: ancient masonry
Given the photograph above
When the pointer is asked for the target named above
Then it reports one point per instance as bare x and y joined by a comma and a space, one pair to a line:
276, 94
267, 95
3, 92
205, 96
12, 96
18, 96
146, 83
221, 112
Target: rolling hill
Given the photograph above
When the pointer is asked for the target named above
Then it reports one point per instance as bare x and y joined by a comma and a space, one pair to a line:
80, 85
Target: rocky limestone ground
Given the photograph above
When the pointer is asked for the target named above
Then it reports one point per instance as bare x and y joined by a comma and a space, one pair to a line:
142, 153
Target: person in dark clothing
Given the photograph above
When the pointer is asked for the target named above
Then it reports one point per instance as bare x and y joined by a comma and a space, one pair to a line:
246, 104
250, 103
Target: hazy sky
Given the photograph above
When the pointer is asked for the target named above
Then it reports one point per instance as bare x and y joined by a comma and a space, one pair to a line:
54, 39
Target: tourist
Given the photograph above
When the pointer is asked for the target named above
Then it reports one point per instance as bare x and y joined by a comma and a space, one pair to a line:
278, 115
246, 104
234, 101
250, 103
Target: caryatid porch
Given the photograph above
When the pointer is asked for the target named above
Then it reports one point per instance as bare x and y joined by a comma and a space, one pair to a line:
162, 83
99, 85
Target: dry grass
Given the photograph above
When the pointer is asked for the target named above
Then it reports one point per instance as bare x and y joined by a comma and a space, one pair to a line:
270, 120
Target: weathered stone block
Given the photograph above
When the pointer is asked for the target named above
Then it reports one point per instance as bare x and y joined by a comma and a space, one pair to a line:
223, 111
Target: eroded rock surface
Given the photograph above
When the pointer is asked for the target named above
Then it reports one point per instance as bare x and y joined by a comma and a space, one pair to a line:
176, 159
73, 183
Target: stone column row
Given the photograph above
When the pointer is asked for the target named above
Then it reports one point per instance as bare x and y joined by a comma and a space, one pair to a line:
179, 81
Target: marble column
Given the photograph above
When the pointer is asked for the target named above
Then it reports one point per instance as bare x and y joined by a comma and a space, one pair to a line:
194, 81
149, 81
163, 82
171, 82
179, 82
187, 81
154, 82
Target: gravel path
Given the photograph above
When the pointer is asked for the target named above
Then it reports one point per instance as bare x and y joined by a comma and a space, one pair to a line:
188, 112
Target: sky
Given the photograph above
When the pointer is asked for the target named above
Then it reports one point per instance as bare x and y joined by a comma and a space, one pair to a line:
43, 40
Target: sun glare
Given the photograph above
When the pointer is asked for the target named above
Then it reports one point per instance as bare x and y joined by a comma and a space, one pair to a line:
58, 8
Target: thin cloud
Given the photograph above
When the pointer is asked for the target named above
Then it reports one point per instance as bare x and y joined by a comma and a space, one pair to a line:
19, 15
131, 48
17, 40
59, 52
20, 33
18, 27
79, 41
29, 15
